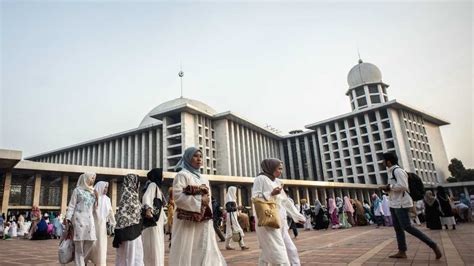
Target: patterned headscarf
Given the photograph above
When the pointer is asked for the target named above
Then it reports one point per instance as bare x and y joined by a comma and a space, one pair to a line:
84, 181
269, 166
185, 162
129, 209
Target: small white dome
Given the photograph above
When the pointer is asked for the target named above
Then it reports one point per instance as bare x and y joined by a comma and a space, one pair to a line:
363, 73
169, 105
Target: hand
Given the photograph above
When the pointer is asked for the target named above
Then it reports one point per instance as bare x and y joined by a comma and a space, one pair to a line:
205, 199
148, 213
276, 191
204, 189
301, 222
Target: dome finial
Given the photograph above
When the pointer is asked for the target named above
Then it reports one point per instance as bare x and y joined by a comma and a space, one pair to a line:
358, 54
181, 74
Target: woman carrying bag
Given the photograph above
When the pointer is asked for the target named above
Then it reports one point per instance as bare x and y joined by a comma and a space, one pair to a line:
271, 205
233, 230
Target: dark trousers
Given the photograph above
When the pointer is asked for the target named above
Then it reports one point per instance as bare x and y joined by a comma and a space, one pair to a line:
292, 226
378, 220
218, 230
402, 223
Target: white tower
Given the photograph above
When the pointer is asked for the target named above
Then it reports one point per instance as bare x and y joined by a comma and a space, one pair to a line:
365, 86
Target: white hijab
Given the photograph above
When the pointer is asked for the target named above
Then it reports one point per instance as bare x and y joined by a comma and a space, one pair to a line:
83, 181
231, 195
104, 202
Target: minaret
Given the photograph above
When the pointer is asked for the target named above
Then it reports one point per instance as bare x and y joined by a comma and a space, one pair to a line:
366, 87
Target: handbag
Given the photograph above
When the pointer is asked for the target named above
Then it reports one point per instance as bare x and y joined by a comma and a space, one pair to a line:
66, 248
267, 212
205, 213
156, 212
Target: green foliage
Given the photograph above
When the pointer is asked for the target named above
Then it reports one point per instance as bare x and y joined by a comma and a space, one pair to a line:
451, 179
459, 172
456, 168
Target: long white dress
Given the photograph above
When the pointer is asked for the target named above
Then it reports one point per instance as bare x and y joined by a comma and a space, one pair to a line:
192, 243
232, 223
276, 244
307, 224
80, 213
102, 215
153, 237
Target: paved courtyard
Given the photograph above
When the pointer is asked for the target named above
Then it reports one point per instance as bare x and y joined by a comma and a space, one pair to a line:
356, 246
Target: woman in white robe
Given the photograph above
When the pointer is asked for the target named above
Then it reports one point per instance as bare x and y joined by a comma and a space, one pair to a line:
305, 210
232, 222
80, 215
193, 239
21, 226
128, 228
153, 237
276, 244
387, 216
102, 215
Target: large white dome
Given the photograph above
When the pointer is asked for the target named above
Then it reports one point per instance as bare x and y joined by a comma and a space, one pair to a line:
169, 105
363, 73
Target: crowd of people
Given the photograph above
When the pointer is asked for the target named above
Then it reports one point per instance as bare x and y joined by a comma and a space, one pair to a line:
194, 219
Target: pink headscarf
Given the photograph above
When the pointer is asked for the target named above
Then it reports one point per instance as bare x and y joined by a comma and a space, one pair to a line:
348, 205
332, 205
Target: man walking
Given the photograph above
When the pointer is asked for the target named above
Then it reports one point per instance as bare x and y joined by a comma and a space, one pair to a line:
400, 204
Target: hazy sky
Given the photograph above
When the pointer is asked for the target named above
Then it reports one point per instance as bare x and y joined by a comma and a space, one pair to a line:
73, 71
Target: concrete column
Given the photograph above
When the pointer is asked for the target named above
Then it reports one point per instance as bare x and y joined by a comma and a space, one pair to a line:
144, 152
450, 191
239, 196
159, 151
129, 153
233, 159
306, 194
297, 195
150, 149
222, 193
6, 192
291, 160
309, 160
64, 190
367, 196
37, 191
113, 193
100, 153
466, 192
123, 153
136, 153
315, 193
299, 159
110, 155
324, 196
89, 156
94, 155
238, 144
116, 157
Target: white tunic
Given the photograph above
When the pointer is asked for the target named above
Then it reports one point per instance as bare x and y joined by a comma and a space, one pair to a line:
275, 243
192, 243
153, 237
80, 213
102, 215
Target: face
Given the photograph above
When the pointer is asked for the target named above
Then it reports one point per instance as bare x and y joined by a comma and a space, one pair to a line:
278, 171
91, 181
387, 164
196, 161
106, 189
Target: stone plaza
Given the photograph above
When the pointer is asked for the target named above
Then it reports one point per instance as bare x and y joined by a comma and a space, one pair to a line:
364, 245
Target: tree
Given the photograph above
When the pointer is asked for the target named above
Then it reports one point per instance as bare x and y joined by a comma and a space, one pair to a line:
456, 168
467, 175
451, 179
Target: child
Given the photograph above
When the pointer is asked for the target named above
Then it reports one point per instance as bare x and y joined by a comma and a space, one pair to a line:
378, 210
6, 231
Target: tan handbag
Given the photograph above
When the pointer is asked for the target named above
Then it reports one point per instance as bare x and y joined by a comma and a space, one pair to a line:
267, 212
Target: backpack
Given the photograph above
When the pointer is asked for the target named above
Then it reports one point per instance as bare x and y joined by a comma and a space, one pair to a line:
415, 185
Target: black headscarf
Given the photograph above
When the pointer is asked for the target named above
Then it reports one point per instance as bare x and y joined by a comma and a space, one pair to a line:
269, 166
154, 176
441, 193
